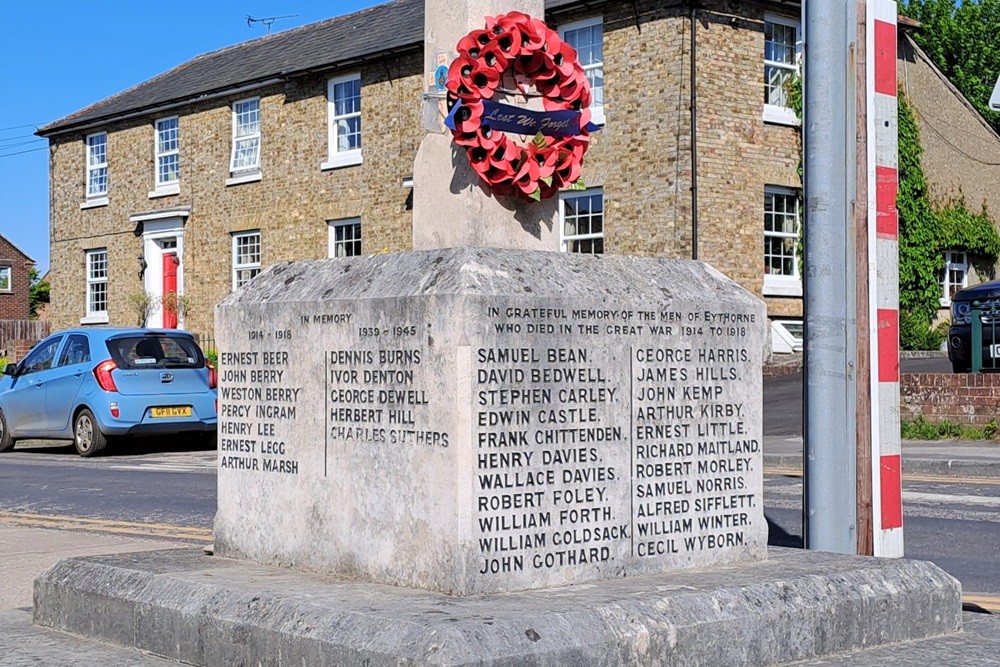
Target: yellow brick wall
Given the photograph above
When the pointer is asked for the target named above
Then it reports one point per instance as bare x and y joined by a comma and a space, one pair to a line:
642, 159
290, 204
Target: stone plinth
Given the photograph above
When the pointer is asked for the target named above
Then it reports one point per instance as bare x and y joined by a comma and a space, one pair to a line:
215, 611
472, 420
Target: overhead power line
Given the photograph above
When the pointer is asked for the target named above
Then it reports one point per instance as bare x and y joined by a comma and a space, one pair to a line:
18, 127
7, 145
30, 150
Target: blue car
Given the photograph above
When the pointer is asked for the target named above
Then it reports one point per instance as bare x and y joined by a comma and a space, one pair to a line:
97, 384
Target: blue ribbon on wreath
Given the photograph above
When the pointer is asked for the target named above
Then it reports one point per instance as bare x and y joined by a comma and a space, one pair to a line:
517, 120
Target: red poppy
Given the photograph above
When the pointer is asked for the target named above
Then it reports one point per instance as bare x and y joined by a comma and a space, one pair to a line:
484, 81
472, 44
459, 81
493, 57
544, 158
488, 138
564, 59
469, 117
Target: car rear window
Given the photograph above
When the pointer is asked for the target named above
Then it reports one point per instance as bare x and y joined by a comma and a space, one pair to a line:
160, 351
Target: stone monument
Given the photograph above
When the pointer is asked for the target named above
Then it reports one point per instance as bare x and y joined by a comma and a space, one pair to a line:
473, 421
491, 455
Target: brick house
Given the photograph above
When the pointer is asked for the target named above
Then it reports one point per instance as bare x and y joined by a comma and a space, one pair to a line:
301, 145
15, 281
961, 158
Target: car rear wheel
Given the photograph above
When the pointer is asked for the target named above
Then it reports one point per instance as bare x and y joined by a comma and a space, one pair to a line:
959, 367
87, 434
6, 441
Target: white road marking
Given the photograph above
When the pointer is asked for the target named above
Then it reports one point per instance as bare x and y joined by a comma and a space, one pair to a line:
948, 498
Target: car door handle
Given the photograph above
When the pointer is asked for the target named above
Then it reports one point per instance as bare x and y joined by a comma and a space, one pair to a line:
78, 374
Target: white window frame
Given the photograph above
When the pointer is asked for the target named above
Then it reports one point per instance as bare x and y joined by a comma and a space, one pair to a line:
165, 187
954, 260
597, 111
337, 158
245, 266
783, 341
783, 285
772, 112
96, 197
9, 270
333, 243
244, 170
94, 316
564, 239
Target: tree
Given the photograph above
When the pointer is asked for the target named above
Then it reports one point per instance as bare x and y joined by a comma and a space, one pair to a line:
38, 292
963, 40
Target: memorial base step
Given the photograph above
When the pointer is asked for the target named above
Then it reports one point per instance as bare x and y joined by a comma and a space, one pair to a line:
184, 605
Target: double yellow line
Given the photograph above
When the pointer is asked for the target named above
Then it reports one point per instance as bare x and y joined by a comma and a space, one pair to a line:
130, 528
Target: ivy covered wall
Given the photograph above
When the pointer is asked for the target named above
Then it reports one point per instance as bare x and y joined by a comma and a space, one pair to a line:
926, 231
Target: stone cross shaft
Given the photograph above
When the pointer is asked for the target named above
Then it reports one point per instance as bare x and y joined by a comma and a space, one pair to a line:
451, 206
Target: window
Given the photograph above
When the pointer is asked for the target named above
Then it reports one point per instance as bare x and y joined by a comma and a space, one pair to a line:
42, 357
168, 159
345, 238
97, 286
581, 218
246, 136
781, 66
781, 242
77, 351
5, 275
587, 37
246, 258
97, 165
954, 275
344, 106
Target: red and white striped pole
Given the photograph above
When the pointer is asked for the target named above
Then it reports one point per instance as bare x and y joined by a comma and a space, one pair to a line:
883, 284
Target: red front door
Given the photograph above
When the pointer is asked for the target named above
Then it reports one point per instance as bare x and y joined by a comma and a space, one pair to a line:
170, 263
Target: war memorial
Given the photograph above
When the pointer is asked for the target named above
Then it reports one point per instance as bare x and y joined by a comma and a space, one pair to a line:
486, 452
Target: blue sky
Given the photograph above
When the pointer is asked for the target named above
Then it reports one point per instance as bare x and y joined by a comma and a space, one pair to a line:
58, 56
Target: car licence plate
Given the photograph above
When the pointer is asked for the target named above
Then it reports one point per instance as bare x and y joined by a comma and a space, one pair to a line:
995, 351
174, 411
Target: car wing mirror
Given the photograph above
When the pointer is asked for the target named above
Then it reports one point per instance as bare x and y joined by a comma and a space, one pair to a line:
10, 369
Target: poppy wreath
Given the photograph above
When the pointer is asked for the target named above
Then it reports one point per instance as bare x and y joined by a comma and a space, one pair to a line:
519, 45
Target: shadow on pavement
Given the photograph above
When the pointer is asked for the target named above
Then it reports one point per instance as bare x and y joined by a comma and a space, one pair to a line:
122, 446
779, 537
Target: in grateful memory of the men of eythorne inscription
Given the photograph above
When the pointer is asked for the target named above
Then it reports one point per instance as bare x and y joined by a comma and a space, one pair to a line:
468, 439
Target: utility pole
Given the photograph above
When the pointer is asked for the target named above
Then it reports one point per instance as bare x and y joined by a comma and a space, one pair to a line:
829, 445
852, 489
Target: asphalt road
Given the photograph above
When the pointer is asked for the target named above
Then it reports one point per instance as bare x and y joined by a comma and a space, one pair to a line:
783, 395
954, 524
148, 483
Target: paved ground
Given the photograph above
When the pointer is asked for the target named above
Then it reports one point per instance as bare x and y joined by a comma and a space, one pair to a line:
27, 552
